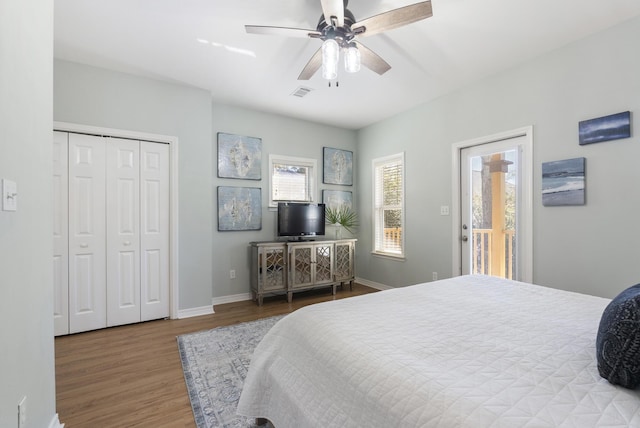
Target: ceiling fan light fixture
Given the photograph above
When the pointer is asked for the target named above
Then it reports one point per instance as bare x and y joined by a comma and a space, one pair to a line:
352, 59
330, 56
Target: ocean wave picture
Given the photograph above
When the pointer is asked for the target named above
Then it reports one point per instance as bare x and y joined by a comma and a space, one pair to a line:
563, 182
612, 127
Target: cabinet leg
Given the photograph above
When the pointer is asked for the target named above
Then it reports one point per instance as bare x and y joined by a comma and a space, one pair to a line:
333, 289
289, 296
260, 300
351, 285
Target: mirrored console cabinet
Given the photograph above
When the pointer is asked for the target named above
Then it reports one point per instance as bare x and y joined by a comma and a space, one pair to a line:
287, 267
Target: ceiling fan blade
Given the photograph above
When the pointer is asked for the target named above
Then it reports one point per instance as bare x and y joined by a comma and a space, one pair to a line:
312, 66
372, 60
333, 8
281, 31
393, 19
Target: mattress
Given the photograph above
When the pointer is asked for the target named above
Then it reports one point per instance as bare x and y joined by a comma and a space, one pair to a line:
471, 351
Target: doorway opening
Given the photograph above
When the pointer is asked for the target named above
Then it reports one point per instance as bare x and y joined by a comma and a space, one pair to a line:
492, 208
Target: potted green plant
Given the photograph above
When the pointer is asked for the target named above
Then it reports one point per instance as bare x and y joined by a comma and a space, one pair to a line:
341, 216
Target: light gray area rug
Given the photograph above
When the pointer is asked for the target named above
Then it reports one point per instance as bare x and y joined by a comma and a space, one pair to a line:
215, 363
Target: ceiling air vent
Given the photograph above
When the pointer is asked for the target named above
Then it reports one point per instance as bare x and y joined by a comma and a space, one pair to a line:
301, 91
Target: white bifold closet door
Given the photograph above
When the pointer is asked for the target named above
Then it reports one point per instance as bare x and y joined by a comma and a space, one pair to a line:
154, 230
123, 231
87, 233
118, 232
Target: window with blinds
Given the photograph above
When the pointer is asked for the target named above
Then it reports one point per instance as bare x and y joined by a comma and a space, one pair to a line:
388, 197
291, 179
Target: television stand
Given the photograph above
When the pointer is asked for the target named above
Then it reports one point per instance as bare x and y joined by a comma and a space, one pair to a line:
279, 267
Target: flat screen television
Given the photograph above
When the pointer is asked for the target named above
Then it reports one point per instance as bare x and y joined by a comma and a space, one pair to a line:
300, 219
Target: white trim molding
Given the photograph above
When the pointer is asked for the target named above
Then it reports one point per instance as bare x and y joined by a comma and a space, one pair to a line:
232, 298
173, 193
55, 422
372, 284
525, 239
195, 312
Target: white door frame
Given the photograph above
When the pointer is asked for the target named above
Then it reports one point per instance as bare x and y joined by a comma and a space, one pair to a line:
525, 240
173, 192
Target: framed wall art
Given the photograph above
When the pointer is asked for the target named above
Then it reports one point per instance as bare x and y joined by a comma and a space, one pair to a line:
338, 166
337, 198
563, 182
239, 157
606, 128
239, 208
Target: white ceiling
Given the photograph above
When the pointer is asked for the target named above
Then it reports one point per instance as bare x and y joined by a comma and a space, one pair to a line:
463, 42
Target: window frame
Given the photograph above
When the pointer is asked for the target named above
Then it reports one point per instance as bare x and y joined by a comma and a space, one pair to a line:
377, 211
310, 163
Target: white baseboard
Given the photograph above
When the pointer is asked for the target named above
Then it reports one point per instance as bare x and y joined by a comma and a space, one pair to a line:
55, 422
248, 296
231, 299
372, 284
195, 312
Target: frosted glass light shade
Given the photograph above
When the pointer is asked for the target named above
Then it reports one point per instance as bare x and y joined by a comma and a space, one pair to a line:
352, 59
330, 55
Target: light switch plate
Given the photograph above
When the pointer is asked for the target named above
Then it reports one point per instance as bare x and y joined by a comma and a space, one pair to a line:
9, 195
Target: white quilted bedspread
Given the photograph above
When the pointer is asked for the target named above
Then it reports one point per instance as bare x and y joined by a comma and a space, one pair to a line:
464, 352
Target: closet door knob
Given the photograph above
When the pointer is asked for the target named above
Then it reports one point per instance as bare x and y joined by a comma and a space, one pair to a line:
83, 245
127, 243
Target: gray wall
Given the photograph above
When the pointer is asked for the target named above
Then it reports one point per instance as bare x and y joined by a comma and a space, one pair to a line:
26, 284
591, 248
280, 136
585, 248
97, 97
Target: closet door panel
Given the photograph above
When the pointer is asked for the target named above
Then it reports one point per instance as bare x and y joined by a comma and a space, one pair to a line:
87, 233
154, 238
123, 231
60, 234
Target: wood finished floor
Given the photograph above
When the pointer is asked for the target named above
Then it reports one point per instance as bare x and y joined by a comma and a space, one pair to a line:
131, 376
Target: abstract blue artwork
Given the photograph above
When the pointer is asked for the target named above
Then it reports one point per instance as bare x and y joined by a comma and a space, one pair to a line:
337, 198
239, 208
239, 157
563, 182
612, 127
338, 166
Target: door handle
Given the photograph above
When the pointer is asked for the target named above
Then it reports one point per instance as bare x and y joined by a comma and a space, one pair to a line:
84, 245
127, 243
465, 238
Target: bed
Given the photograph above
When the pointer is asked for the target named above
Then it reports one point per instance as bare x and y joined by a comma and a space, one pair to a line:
471, 351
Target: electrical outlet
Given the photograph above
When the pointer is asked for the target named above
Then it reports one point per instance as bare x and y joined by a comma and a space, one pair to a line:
434, 276
444, 210
232, 274
22, 413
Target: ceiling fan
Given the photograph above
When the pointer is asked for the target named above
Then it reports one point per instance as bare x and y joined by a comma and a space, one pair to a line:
338, 30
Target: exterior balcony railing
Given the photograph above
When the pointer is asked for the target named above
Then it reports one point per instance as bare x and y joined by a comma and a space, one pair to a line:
483, 257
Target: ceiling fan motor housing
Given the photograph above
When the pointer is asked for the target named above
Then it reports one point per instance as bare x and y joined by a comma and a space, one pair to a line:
343, 35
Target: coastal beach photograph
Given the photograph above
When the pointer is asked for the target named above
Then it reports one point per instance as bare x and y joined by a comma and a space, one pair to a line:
563, 182
606, 128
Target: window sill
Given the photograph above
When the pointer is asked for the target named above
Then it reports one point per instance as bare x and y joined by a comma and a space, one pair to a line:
390, 256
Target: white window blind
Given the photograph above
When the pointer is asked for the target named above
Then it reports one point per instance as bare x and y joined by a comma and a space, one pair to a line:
388, 200
291, 179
